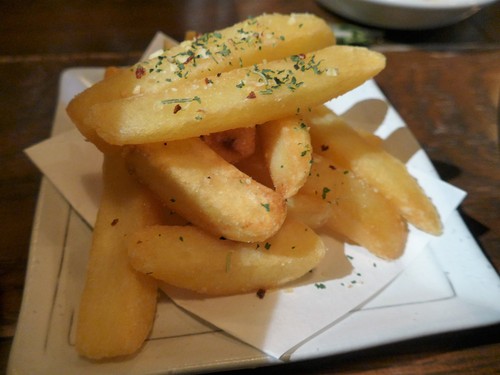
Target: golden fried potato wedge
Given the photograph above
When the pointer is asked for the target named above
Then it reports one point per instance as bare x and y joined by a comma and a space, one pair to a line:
239, 98
194, 181
118, 304
357, 211
371, 138
190, 258
309, 209
288, 152
256, 167
111, 70
333, 138
267, 37
233, 144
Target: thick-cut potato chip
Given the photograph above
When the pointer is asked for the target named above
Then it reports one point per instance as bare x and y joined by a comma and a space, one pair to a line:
187, 257
357, 211
334, 139
118, 304
371, 138
267, 37
194, 181
234, 144
287, 149
239, 98
111, 71
255, 166
309, 209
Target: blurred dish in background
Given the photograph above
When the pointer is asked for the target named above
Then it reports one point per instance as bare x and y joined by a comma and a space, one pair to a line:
406, 14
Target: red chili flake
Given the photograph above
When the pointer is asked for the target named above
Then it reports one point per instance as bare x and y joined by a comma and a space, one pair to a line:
114, 222
332, 167
324, 147
208, 81
251, 95
191, 57
261, 293
177, 108
302, 55
139, 72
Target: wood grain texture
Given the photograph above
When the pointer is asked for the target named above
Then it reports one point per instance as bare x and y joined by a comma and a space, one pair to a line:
445, 84
450, 102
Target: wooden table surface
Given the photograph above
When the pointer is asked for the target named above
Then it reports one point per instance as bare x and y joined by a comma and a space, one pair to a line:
444, 83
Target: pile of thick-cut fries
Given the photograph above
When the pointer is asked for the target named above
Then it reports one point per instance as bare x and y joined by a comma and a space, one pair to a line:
221, 162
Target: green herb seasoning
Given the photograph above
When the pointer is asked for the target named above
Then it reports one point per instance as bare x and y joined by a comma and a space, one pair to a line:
325, 192
275, 79
181, 100
304, 64
307, 149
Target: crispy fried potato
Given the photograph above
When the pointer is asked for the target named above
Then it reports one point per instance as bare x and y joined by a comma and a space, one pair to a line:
234, 144
357, 211
118, 304
192, 180
188, 257
371, 138
101, 145
256, 167
267, 37
309, 209
239, 98
333, 138
287, 149
111, 71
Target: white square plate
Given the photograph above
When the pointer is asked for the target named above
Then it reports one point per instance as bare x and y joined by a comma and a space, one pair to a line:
450, 286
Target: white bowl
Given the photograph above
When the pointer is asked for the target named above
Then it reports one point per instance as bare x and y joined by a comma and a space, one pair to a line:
406, 14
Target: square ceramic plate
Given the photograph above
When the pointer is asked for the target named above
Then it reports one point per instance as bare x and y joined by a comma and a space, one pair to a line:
451, 286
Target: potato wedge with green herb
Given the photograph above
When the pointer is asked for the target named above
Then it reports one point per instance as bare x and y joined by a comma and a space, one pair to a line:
333, 138
287, 150
239, 98
118, 304
357, 211
194, 181
267, 37
190, 258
